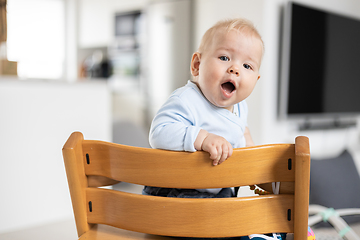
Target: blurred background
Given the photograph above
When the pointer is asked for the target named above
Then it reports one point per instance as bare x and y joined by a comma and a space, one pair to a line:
104, 67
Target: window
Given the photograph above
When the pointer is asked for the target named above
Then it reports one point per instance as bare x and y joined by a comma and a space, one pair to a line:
36, 37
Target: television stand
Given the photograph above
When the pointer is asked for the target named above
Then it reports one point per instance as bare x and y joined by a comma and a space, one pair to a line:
327, 125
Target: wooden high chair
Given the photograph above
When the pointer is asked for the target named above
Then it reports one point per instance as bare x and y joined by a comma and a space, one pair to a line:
108, 214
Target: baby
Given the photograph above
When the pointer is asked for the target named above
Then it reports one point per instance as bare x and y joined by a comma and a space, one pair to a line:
209, 113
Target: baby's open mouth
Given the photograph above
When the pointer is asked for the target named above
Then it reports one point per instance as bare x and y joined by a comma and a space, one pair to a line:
228, 87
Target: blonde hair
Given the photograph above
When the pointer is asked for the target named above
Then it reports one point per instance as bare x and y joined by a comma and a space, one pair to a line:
240, 24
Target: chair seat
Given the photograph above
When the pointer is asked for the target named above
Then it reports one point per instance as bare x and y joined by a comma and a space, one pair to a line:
102, 232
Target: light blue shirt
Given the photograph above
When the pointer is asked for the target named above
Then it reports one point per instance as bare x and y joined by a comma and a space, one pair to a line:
178, 122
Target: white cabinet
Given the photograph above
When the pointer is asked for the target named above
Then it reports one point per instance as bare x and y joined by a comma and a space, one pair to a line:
37, 116
96, 20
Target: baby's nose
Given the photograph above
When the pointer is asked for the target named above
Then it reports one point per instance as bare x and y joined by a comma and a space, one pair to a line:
234, 70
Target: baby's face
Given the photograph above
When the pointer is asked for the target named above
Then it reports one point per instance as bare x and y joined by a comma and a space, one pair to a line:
229, 68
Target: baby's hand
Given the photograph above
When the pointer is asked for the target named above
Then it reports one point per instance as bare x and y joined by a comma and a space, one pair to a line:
218, 147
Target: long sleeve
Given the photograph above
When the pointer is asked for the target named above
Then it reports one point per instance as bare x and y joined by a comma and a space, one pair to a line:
173, 127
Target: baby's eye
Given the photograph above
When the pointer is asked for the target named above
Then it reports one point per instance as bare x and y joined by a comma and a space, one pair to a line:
247, 66
224, 58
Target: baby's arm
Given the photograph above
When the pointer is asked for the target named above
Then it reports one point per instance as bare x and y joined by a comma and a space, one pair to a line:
248, 138
173, 128
218, 147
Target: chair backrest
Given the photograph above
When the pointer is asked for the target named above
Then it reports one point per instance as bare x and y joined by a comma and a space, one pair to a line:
91, 164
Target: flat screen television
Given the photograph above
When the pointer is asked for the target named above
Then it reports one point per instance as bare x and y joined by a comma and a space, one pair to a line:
320, 64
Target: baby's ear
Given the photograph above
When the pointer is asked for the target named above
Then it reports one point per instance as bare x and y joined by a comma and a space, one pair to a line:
195, 64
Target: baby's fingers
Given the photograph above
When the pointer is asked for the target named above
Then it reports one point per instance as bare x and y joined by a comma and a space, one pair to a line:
230, 150
215, 155
226, 152
223, 153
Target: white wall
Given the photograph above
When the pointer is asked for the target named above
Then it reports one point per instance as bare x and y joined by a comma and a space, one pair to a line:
208, 12
36, 119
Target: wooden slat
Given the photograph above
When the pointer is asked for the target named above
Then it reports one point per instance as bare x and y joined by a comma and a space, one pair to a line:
153, 167
224, 217
100, 181
72, 153
302, 187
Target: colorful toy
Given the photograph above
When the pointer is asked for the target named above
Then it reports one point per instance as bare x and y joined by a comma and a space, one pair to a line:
311, 235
